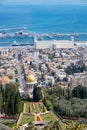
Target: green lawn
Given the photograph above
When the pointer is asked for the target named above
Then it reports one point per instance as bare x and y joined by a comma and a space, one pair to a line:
42, 108
48, 117
28, 108
35, 107
27, 119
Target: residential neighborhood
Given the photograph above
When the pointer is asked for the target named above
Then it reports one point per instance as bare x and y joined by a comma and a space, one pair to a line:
48, 67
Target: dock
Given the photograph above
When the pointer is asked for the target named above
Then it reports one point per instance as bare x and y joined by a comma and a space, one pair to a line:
4, 42
8, 29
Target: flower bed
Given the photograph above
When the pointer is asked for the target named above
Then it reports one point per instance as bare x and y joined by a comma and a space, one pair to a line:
38, 118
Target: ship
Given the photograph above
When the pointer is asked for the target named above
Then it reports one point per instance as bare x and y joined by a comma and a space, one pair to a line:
21, 44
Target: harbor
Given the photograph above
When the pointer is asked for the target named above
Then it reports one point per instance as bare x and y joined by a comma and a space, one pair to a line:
22, 37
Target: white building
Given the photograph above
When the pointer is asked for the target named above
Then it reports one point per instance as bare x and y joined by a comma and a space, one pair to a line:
61, 74
49, 79
4, 52
54, 44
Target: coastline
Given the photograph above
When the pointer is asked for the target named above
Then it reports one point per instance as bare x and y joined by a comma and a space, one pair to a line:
24, 38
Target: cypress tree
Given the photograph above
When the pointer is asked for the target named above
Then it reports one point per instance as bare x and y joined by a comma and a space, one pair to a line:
12, 99
1, 101
37, 94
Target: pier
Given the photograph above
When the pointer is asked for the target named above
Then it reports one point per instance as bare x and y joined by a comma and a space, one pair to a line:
4, 42
7, 36
22, 33
8, 29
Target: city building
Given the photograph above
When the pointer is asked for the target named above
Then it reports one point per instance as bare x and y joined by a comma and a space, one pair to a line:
4, 52
78, 80
53, 44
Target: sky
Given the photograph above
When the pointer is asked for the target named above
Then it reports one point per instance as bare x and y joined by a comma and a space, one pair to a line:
42, 1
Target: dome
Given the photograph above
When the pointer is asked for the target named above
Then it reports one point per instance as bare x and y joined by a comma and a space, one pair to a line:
5, 80
30, 78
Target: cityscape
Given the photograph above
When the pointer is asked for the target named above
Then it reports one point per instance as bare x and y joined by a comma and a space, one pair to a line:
43, 75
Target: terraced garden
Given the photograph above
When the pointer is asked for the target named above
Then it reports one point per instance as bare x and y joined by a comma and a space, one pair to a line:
34, 112
27, 119
35, 107
48, 117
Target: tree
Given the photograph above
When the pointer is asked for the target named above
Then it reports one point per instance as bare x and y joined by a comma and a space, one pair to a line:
10, 77
79, 67
16, 71
31, 63
49, 104
31, 127
37, 94
65, 79
14, 55
57, 80
12, 99
75, 126
56, 125
80, 92
58, 91
1, 101
48, 100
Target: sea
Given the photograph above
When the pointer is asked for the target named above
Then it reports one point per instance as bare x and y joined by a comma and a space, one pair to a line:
60, 18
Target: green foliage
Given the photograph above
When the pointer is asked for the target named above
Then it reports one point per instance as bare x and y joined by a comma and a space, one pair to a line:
48, 117
27, 119
1, 101
48, 101
10, 123
49, 104
16, 71
76, 107
80, 92
75, 126
10, 77
37, 94
65, 79
51, 56
35, 107
57, 125
61, 102
12, 101
78, 68
57, 91
31, 126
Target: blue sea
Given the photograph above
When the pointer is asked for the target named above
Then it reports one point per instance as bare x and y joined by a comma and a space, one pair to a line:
44, 19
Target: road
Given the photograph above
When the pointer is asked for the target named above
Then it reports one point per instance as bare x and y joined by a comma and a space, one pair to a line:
19, 68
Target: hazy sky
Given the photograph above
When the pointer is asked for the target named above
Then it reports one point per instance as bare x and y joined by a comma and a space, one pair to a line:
41, 1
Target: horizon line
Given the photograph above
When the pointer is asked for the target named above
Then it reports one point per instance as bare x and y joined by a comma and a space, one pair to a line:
67, 3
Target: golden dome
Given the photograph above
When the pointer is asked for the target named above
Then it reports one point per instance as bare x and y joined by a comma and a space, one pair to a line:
5, 80
30, 78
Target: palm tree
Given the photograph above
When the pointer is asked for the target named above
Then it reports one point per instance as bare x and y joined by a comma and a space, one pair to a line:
31, 126
75, 126
57, 125
46, 128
